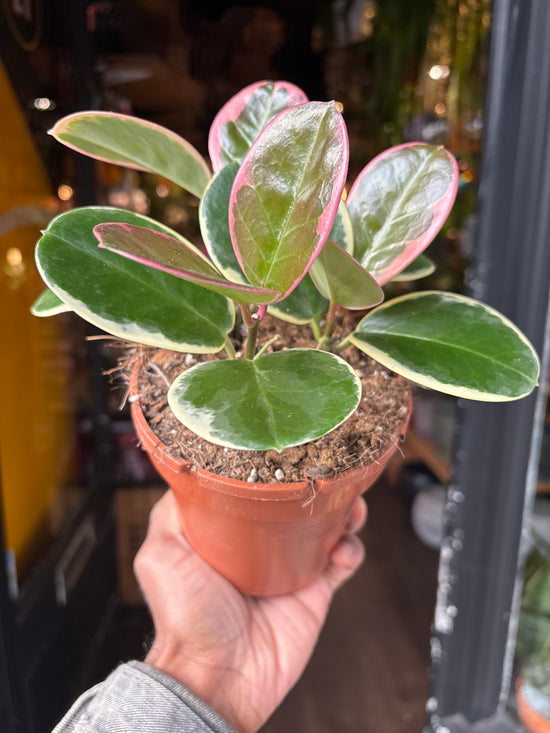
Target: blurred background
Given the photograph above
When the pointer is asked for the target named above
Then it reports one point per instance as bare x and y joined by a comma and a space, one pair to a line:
76, 489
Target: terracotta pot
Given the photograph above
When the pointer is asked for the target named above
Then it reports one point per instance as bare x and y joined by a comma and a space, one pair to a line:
529, 717
266, 539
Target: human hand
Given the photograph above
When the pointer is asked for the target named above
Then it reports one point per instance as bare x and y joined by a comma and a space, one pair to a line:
239, 654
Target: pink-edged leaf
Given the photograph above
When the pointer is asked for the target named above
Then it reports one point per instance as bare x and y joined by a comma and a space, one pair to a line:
286, 195
180, 258
341, 279
398, 204
134, 143
244, 116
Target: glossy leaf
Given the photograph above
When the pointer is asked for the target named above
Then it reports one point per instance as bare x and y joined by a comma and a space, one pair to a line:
286, 194
452, 344
125, 298
175, 257
398, 204
214, 223
421, 267
134, 143
303, 304
275, 401
341, 279
244, 116
48, 304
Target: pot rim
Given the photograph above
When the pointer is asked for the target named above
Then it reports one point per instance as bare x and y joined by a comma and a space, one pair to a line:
268, 491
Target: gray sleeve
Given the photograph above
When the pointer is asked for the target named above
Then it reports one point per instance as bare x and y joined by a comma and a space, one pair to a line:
139, 698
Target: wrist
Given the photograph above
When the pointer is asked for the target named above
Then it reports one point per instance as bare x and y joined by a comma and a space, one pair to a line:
217, 686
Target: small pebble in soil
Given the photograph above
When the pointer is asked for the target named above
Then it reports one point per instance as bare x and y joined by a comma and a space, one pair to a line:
279, 474
252, 476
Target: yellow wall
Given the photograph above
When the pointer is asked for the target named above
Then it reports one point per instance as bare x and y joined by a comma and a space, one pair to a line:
36, 430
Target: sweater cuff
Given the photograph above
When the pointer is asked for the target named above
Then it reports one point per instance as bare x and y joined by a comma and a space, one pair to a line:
139, 697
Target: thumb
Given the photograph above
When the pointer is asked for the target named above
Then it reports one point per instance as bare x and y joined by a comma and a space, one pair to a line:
344, 561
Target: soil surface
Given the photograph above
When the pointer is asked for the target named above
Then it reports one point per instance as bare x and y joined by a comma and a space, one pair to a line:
374, 426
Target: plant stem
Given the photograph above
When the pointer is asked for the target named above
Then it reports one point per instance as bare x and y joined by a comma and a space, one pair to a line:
251, 341
324, 342
331, 317
316, 328
229, 348
251, 322
266, 346
247, 315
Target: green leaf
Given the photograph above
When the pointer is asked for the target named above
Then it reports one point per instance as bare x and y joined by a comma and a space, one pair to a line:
342, 280
48, 304
177, 257
134, 143
286, 194
125, 298
342, 229
398, 204
273, 402
214, 223
303, 304
452, 344
240, 121
421, 267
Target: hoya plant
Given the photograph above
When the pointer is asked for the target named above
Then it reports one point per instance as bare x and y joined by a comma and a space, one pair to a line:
279, 238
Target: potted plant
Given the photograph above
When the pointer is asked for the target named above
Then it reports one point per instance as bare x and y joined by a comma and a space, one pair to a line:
533, 640
282, 247
533, 695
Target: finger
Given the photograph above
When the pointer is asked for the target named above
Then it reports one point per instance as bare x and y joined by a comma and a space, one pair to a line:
164, 515
344, 561
357, 516
164, 540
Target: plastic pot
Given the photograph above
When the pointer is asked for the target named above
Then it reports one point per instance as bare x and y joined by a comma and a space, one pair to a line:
266, 539
528, 699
